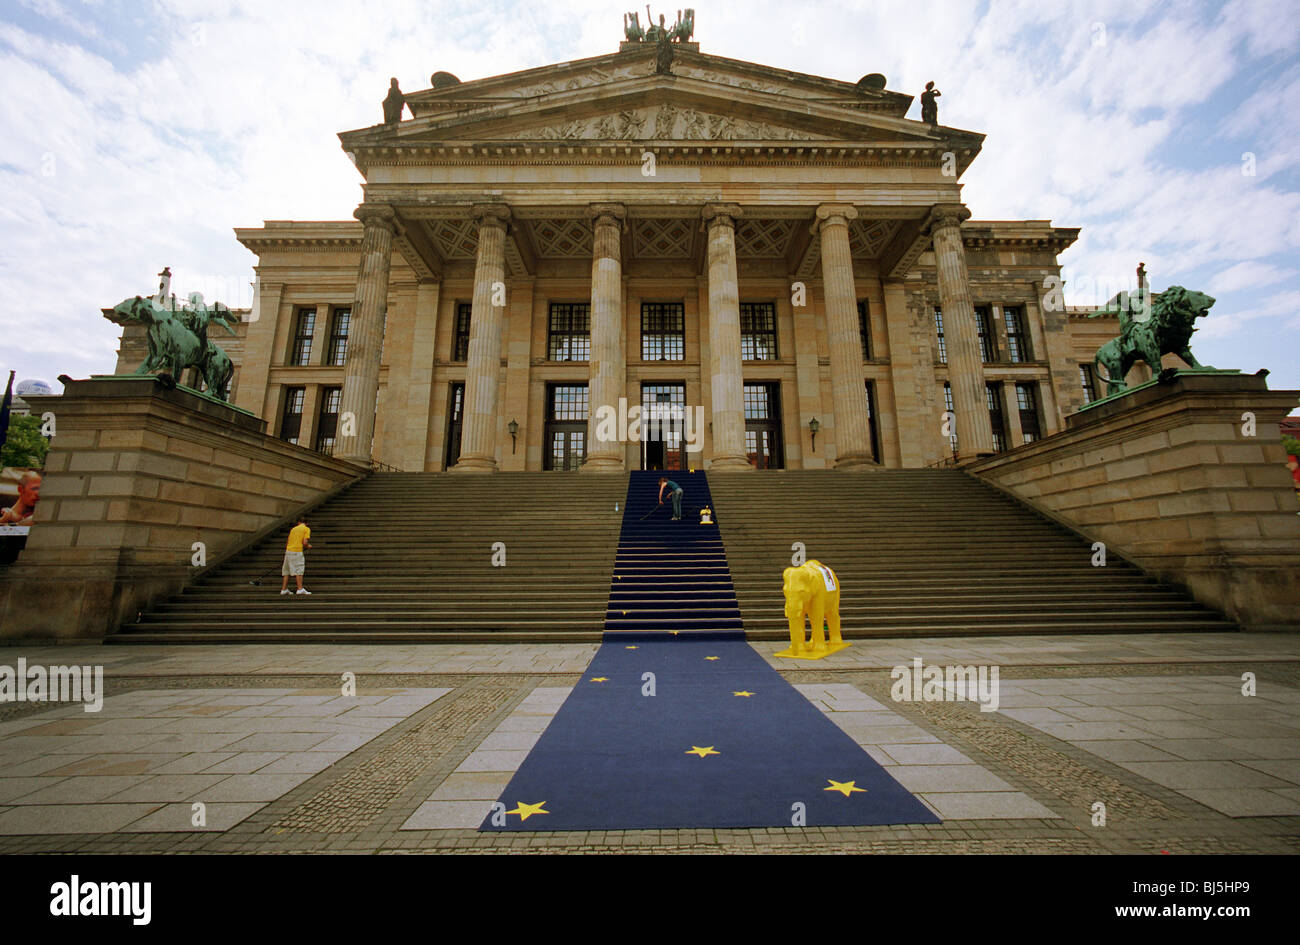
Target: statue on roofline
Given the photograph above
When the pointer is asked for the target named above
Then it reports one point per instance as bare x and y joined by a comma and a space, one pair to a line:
680, 32
393, 104
929, 107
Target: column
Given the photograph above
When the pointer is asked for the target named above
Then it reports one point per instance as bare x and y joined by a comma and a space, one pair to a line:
608, 370
843, 334
965, 365
727, 384
419, 393
366, 334
1011, 411
478, 438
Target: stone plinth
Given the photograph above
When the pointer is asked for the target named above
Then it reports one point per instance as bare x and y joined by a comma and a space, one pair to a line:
136, 474
1169, 478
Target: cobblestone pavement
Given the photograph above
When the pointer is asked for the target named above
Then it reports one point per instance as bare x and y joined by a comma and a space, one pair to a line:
260, 748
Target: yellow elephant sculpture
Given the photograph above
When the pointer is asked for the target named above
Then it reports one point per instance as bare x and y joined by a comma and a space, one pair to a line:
812, 591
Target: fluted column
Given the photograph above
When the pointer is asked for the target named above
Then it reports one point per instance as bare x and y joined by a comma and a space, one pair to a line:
608, 368
965, 364
843, 334
478, 451
727, 384
366, 334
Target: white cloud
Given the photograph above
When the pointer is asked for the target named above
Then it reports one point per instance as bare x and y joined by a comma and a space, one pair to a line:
235, 120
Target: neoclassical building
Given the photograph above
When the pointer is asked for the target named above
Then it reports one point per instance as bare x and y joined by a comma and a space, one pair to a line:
788, 254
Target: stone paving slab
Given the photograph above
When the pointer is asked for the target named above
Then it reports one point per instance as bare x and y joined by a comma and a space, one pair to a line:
154, 750
1212, 759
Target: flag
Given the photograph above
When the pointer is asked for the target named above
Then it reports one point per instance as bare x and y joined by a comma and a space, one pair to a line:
4, 410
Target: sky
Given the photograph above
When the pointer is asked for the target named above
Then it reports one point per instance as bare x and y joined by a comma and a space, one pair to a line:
137, 135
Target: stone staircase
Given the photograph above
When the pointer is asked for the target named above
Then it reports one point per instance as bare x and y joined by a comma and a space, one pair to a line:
408, 557
931, 552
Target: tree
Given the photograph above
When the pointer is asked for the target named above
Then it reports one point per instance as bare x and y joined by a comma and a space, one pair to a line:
1291, 445
24, 446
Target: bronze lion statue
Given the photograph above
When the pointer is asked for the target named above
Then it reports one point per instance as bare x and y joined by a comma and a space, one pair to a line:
1168, 331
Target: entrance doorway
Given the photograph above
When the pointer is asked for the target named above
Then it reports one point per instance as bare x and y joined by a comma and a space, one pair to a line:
663, 415
763, 426
455, 416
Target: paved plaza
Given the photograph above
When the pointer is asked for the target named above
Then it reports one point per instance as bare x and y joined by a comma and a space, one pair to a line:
257, 748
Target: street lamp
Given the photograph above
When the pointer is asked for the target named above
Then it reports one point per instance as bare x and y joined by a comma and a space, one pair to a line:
513, 427
813, 426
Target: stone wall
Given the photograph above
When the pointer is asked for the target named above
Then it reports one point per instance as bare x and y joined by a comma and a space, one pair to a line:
1168, 478
135, 475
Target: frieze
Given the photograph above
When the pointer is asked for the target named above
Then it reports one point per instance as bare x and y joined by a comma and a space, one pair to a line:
664, 122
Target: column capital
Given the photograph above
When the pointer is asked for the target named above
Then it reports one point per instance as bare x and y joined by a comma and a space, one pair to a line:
944, 215
377, 214
721, 214
616, 213
834, 213
491, 214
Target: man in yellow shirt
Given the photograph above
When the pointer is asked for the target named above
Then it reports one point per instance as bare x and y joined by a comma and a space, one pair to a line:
294, 560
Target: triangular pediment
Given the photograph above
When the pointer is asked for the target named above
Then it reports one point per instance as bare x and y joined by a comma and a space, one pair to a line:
602, 71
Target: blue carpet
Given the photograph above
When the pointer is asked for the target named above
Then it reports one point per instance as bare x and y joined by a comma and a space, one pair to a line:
723, 741
670, 577
616, 759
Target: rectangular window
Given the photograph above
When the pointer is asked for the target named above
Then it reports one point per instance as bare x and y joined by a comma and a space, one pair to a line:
947, 406
569, 402
460, 340
569, 332
291, 416
663, 331
984, 325
1027, 402
938, 328
757, 331
303, 327
993, 391
864, 327
327, 424
339, 322
1017, 340
1089, 383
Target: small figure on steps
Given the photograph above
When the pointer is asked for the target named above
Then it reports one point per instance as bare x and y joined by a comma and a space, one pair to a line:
675, 491
294, 559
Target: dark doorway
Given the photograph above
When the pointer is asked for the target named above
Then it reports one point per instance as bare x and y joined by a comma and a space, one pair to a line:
663, 416
455, 416
763, 426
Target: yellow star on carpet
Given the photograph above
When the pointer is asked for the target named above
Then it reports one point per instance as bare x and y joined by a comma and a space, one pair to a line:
629, 648
599, 679
744, 692
702, 752
527, 810
713, 657
844, 787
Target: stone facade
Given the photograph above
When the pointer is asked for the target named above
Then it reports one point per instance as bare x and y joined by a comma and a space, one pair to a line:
137, 474
1185, 479
715, 234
